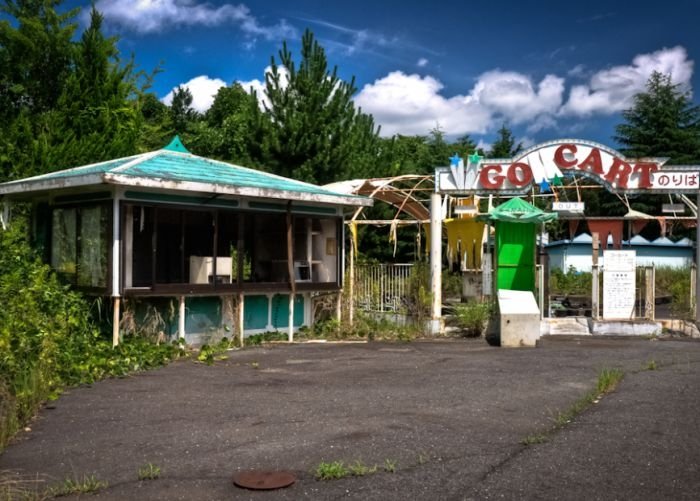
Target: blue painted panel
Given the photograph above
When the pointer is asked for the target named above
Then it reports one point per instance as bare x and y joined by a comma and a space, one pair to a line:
280, 311
202, 314
255, 312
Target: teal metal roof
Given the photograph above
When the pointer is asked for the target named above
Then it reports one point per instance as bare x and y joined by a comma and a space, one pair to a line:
174, 168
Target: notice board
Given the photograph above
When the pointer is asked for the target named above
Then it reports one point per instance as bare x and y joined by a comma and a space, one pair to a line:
619, 281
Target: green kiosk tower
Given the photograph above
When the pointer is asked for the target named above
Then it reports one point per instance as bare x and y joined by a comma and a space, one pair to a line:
516, 224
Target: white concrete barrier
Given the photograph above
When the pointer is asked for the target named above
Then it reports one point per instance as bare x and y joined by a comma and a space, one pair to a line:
519, 318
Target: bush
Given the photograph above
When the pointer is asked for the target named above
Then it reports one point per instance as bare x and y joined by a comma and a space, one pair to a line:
48, 338
473, 317
570, 283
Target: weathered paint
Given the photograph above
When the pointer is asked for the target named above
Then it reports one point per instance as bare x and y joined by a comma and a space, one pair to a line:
280, 311
255, 311
177, 170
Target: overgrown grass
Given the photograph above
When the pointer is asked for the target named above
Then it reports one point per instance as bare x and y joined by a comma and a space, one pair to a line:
14, 487
571, 282
86, 485
335, 470
607, 381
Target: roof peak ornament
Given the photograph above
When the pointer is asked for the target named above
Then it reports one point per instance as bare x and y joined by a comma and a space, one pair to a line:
175, 144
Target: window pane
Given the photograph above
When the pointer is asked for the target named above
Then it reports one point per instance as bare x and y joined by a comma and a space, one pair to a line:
227, 245
169, 258
141, 233
63, 242
199, 250
265, 243
92, 265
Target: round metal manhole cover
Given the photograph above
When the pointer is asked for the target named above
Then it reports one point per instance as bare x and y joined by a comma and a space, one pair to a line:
263, 480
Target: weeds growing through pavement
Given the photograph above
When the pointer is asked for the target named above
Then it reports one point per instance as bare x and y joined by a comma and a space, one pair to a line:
70, 486
149, 471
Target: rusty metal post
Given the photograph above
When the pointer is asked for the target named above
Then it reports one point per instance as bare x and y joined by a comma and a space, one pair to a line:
115, 322
436, 322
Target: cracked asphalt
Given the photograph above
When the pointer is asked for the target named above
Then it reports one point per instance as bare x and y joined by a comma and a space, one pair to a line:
451, 414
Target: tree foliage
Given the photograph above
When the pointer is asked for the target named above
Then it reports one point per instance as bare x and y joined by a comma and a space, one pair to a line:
505, 146
662, 122
315, 132
63, 103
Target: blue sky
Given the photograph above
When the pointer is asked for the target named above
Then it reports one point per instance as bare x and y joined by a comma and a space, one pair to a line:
549, 69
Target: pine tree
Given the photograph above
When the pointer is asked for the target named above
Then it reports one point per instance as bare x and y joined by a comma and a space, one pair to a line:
505, 146
662, 122
315, 132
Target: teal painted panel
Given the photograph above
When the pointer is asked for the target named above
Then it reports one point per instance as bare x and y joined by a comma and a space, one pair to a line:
280, 311
255, 312
202, 314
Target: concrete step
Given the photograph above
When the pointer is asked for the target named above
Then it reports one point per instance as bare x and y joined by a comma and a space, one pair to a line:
566, 326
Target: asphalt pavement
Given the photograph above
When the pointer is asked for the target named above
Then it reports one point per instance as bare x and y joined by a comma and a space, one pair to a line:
450, 416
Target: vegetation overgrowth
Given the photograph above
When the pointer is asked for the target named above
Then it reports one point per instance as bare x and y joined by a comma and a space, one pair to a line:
49, 338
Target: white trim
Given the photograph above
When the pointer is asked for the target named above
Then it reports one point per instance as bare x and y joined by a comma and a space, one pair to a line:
140, 159
26, 186
269, 193
116, 243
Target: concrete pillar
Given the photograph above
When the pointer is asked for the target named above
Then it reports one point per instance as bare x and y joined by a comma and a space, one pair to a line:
181, 319
351, 282
436, 320
241, 319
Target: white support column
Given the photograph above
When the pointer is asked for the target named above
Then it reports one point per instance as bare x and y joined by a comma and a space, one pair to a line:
116, 245
5, 215
181, 319
436, 320
116, 261
241, 318
351, 283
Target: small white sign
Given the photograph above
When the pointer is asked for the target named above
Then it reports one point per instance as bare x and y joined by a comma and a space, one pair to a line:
672, 208
675, 181
568, 206
619, 282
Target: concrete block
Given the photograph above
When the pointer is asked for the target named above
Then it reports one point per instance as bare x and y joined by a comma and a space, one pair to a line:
519, 318
626, 328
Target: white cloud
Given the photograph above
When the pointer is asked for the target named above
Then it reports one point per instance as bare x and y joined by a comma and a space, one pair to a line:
514, 96
148, 16
612, 90
203, 90
422, 62
411, 104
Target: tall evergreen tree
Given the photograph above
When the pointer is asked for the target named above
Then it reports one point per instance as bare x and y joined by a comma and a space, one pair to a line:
505, 145
181, 112
662, 122
315, 132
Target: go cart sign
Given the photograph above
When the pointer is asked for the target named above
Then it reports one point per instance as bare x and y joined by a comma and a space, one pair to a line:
548, 163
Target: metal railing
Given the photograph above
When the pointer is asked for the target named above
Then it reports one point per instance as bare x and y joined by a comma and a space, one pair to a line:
382, 287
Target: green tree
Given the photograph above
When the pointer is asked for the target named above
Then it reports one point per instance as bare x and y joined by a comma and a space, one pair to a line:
662, 122
315, 132
181, 112
505, 146
64, 103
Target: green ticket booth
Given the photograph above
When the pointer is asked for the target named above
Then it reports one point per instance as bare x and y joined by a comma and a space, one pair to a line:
516, 223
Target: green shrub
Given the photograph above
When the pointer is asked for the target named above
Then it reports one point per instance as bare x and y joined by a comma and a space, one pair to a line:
473, 317
48, 338
570, 283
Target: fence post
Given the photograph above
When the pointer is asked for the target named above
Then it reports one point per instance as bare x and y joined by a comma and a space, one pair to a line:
649, 298
595, 292
693, 289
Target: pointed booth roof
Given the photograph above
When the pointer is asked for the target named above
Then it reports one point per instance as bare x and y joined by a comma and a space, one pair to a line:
175, 168
517, 210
